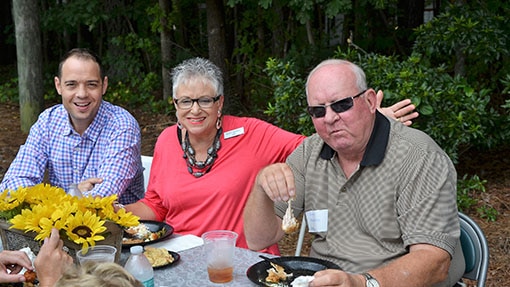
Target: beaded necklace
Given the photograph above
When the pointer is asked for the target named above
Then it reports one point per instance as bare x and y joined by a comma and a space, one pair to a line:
199, 168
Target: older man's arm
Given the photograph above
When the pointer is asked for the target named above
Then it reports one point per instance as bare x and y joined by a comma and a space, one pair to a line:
424, 265
261, 225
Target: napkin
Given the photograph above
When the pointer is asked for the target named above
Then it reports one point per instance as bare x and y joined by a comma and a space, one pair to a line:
178, 242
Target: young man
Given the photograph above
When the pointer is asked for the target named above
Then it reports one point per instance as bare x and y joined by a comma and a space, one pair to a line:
84, 141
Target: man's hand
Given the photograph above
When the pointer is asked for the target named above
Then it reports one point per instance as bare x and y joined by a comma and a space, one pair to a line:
333, 277
401, 111
89, 184
277, 181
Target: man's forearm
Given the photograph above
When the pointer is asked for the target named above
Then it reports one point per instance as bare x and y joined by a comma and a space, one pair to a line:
425, 265
262, 227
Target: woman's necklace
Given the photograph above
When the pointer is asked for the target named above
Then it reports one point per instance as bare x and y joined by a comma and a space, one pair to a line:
199, 168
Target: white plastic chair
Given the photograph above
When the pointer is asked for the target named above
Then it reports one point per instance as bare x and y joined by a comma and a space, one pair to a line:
301, 237
146, 163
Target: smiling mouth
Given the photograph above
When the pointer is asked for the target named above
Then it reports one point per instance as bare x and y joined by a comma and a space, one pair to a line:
82, 105
196, 120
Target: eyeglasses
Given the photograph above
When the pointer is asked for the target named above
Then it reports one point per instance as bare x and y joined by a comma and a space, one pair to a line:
339, 106
203, 102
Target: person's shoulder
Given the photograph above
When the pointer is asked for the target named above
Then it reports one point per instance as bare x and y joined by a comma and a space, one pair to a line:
230, 121
168, 132
52, 116
55, 110
118, 114
415, 137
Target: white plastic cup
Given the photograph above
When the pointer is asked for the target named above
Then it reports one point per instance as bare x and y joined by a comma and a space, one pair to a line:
98, 253
219, 246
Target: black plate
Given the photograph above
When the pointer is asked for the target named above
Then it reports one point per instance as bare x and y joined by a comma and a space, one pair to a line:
176, 257
154, 226
301, 266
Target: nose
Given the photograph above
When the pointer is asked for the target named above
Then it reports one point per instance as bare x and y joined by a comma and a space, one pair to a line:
330, 115
81, 91
195, 107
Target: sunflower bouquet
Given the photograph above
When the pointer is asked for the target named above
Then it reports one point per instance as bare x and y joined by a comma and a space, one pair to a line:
41, 207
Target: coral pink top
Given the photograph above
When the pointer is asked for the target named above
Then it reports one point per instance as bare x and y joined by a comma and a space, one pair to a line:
216, 200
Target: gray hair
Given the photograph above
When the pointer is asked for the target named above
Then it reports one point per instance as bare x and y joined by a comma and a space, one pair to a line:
197, 69
361, 82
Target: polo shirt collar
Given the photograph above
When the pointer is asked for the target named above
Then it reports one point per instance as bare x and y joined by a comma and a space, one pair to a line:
376, 147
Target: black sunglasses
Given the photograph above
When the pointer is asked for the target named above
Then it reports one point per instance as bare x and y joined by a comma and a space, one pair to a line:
339, 106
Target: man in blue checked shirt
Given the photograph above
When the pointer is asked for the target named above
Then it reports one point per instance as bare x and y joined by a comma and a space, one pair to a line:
84, 140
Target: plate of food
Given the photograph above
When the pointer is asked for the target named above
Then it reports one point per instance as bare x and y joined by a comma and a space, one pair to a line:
148, 231
265, 273
161, 257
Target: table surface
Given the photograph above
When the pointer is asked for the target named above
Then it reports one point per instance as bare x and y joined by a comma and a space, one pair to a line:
191, 269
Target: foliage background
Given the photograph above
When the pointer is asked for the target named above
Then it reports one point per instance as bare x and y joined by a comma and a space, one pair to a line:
453, 64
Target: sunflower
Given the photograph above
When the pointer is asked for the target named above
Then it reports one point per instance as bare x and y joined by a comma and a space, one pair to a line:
85, 228
41, 207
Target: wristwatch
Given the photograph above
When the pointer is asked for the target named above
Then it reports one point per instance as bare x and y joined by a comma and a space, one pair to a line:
371, 281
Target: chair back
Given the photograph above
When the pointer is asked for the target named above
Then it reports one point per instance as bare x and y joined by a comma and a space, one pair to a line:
146, 163
475, 248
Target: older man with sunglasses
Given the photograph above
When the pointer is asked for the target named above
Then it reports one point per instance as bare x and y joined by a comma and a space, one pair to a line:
379, 197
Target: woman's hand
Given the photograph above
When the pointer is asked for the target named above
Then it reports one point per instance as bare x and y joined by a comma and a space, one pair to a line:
52, 260
11, 263
402, 111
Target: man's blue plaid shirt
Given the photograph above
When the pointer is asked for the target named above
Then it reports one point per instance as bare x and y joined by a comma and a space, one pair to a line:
108, 149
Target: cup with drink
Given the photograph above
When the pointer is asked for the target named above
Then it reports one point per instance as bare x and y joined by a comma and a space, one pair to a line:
219, 246
99, 253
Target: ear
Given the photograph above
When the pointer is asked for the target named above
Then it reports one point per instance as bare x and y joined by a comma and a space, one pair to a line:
372, 100
56, 80
221, 101
105, 84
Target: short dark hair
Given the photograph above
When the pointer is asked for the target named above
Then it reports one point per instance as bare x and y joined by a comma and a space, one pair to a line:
83, 53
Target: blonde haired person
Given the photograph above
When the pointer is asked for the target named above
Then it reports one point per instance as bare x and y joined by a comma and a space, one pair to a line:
93, 274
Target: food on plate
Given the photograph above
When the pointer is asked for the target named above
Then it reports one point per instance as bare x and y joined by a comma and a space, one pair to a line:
301, 281
158, 256
30, 276
141, 233
276, 274
289, 223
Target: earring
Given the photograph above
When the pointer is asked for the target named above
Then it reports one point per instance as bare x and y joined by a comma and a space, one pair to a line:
218, 123
179, 125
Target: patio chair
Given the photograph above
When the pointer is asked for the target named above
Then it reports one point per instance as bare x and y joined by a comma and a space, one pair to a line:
146, 162
475, 249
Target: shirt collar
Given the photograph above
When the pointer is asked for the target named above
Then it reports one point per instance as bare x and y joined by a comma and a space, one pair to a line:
95, 127
376, 147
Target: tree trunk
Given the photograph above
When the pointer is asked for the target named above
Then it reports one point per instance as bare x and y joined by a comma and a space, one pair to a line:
29, 57
217, 43
166, 48
410, 17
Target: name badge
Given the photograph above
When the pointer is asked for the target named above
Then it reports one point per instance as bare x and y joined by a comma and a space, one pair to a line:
233, 133
317, 220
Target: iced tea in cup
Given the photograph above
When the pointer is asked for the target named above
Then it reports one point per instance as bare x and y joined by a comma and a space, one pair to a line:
219, 246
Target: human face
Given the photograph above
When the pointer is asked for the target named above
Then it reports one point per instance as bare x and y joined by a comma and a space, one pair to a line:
82, 90
198, 121
349, 130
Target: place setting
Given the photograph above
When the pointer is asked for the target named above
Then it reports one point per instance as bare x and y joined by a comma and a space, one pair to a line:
286, 270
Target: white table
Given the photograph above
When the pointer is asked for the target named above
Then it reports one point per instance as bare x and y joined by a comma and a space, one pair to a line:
191, 270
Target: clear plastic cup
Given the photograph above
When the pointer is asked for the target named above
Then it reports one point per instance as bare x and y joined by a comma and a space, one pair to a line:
98, 253
219, 246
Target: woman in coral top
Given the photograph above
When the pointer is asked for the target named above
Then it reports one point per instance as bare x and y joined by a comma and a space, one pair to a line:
204, 166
